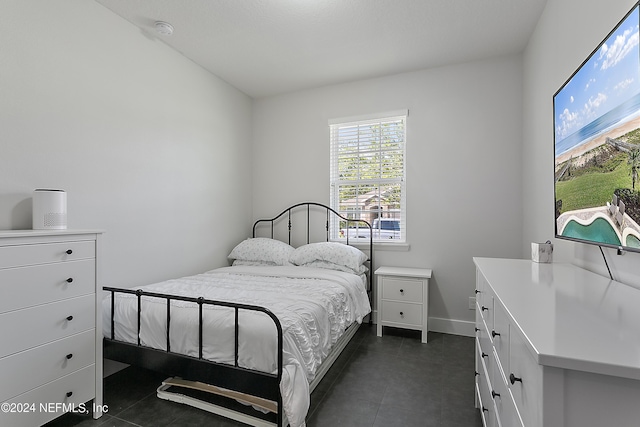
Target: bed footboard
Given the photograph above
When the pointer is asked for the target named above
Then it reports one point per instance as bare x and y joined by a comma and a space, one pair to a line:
264, 385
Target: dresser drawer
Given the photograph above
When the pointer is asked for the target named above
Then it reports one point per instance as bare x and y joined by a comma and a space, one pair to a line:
28, 369
527, 375
500, 335
486, 310
22, 255
479, 403
402, 289
482, 335
23, 329
482, 288
53, 398
402, 313
22, 287
488, 361
487, 408
506, 413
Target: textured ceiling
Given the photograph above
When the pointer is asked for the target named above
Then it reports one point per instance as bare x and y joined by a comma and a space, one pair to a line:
268, 47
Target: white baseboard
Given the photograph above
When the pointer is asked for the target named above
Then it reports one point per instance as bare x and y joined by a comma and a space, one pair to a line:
446, 326
452, 326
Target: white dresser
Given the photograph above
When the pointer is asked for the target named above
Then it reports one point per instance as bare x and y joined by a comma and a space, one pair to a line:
557, 346
50, 324
403, 298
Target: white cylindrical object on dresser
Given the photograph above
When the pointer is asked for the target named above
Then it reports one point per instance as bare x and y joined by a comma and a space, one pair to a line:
49, 209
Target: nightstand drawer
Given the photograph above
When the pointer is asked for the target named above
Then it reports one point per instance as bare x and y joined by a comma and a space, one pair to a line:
404, 313
402, 289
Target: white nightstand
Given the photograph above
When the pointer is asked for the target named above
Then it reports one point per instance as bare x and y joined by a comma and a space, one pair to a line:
403, 298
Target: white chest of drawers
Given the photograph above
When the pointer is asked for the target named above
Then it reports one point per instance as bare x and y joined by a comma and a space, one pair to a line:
50, 324
403, 298
557, 346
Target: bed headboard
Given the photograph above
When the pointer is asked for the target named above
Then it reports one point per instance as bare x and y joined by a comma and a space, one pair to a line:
330, 218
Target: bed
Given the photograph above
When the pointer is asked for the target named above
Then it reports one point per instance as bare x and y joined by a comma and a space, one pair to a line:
250, 341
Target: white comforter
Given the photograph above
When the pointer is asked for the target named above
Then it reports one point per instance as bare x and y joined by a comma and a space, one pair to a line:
314, 307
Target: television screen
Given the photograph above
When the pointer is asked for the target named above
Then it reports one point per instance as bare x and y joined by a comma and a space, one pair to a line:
597, 144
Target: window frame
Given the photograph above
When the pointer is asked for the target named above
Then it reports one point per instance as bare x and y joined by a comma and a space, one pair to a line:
378, 183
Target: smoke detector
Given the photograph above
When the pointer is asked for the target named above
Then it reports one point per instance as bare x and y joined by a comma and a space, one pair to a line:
164, 28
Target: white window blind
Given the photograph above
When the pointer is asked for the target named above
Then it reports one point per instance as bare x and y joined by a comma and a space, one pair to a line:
368, 175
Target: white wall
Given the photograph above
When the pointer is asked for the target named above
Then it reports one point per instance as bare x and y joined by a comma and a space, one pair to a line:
150, 147
463, 166
566, 34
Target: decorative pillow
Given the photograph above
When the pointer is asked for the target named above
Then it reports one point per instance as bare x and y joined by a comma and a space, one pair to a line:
336, 253
264, 250
331, 266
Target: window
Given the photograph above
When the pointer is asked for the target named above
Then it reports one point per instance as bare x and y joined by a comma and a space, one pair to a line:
368, 175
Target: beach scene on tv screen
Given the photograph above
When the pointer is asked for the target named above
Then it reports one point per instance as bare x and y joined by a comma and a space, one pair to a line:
597, 144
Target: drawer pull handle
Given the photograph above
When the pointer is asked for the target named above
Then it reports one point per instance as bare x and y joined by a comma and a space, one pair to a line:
513, 379
485, 308
477, 291
69, 356
477, 374
69, 251
485, 355
484, 409
402, 291
401, 314
494, 394
494, 334
69, 318
70, 279
69, 393
477, 329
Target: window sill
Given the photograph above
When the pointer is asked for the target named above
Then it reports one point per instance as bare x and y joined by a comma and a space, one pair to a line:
380, 246
384, 246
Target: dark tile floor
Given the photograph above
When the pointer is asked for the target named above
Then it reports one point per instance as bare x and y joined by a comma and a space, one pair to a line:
390, 381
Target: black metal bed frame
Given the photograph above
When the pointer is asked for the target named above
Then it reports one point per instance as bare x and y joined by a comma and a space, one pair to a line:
233, 377
327, 228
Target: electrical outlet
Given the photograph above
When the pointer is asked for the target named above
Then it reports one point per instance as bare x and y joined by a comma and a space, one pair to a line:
472, 303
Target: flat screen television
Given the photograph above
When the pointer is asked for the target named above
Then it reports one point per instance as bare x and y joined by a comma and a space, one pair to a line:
596, 118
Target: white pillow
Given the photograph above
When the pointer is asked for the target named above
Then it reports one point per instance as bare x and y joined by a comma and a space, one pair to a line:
331, 266
336, 253
262, 250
